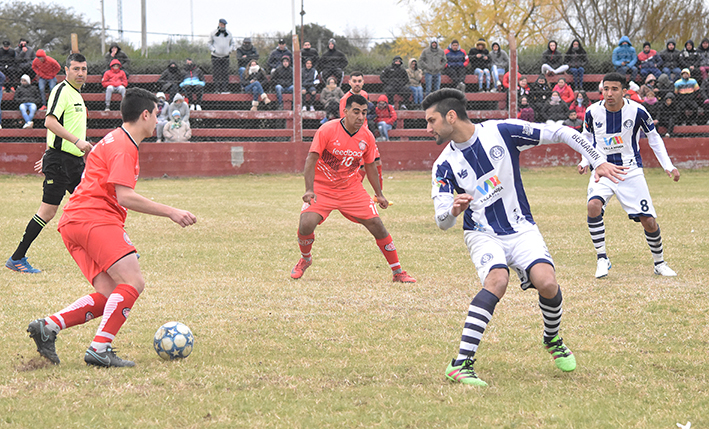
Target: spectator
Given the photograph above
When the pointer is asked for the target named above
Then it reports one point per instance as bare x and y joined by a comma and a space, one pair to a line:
310, 80
255, 79
539, 92
670, 61
555, 111
177, 130
625, 58
524, 110
500, 62
24, 55
8, 66
115, 53
309, 53
114, 80
704, 58
580, 104
333, 62
664, 86
282, 79
415, 76
686, 93
244, 54
649, 61
220, 44
276, 56
649, 89
689, 59
371, 118
330, 98
170, 79
506, 80
668, 114
2, 82
479, 62
522, 87
455, 64
386, 116
46, 69
704, 102
564, 90
27, 95
577, 59
573, 121
396, 81
432, 62
553, 60
632, 92
179, 104
163, 115
653, 107
193, 84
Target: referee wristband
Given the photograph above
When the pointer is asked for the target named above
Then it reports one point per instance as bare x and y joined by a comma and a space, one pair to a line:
77, 140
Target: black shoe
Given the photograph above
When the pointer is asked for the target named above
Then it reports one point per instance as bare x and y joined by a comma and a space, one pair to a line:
44, 339
106, 359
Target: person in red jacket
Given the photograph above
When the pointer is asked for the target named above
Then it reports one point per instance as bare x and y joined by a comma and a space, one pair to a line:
46, 69
386, 116
114, 80
565, 91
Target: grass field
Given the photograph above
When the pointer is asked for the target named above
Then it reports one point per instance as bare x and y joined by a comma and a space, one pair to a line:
346, 347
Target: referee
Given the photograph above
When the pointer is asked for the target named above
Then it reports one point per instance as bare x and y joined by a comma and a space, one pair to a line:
63, 162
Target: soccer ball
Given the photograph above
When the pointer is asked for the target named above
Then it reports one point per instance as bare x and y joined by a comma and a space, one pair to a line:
173, 340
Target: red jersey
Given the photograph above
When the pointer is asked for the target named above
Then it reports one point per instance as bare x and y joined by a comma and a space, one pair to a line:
341, 154
113, 161
347, 95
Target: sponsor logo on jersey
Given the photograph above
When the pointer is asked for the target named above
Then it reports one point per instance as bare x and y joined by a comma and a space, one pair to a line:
362, 145
628, 124
497, 152
126, 239
440, 182
489, 184
126, 311
347, 152
613, 141
463, 174
336, 143
598, 124
527, 129
390, 247
649, 122
486, 258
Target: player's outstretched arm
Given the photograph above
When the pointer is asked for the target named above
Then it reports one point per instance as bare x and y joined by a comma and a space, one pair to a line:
610, 171
131, 200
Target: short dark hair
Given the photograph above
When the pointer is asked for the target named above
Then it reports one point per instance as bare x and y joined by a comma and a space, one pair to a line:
356, 73
356, 98
614, 77
79, 58
445, 100
135, 102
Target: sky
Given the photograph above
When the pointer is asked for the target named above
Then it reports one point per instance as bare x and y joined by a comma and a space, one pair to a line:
383, 18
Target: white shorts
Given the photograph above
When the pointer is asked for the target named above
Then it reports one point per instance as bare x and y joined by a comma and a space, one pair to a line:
517, 251
632, 193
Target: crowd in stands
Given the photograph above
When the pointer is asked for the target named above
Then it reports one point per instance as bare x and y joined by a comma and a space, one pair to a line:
672, 84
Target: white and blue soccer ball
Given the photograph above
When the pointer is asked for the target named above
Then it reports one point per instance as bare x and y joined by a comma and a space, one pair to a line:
173, 340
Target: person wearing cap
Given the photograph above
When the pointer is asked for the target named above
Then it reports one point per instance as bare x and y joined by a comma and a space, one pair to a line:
114, 80
244, 54
333, 62
282, 79
686, 89
649, 61
221, 43
276, 57
163, 115
46, 69
27, 95
177, 130
8, 66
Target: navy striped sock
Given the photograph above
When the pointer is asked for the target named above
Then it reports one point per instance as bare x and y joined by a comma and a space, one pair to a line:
479, 315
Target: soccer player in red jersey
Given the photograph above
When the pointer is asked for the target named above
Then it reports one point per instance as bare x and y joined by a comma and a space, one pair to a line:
332, 183
92, 228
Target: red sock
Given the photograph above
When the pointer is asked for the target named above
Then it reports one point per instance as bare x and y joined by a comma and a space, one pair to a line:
84, 309
305, 242
116, 312
386, 245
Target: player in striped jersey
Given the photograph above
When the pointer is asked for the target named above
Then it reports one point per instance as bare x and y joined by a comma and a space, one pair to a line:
614, 125
481, 165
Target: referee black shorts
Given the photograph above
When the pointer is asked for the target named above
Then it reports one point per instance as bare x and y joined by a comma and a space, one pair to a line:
62, 173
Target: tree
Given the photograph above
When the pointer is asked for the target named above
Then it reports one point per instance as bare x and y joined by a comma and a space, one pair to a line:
359, 37
640, 20
48, 27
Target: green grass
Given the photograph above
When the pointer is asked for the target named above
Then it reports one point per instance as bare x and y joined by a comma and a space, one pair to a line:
346, 347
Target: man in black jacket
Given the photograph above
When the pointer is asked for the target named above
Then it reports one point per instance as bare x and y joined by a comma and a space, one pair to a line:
395, 80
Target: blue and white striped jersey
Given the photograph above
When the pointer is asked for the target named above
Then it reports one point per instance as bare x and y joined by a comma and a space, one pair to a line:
487, 168
617, 134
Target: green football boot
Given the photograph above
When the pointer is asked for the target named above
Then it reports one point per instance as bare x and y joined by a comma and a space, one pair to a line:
464, 373
563, 357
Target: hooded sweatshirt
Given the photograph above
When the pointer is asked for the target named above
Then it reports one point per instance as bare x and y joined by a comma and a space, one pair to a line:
481, 62
432, 59
415, 74
332, 59
114, 77
46, 69
183, 108
120, 56
172, 74
689, 57
624, 53
387, 114
499, 58
395, 75
576, 57
553, 58
670, 58
703, 53
246, 52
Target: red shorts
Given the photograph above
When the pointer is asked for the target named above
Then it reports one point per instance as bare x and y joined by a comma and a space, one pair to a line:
354, 203
95, 248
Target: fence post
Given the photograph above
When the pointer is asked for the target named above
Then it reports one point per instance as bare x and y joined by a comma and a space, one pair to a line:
512, 104
297, 99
